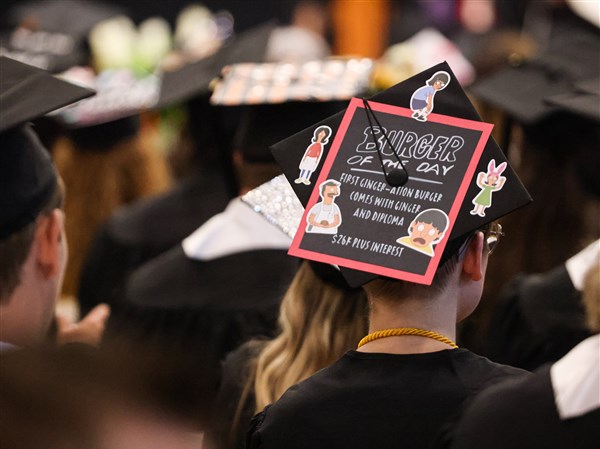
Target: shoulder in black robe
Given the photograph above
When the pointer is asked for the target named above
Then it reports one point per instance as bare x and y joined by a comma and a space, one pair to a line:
143, 230
377, 401
217, 304
537, 320
522, 414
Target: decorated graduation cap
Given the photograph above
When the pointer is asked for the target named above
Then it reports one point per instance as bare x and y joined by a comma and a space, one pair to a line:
279, 99
191, 78
397, 181
111, 115
277, 203
196, 77
52, 34
26, 170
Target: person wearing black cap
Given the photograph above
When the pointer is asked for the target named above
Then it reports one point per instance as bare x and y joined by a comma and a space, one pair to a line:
320, 318
32, 236
556, 408
223, 283
52, 34
206, 177
551, 101
135, 232
538, 318
106, 157
408, 378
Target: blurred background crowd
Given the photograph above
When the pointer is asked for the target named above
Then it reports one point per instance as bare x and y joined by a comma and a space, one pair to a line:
149, 161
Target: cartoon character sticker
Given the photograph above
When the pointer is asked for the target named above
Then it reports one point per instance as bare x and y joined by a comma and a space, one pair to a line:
325, 217
488, 182
312, 155
421, 101
427, 229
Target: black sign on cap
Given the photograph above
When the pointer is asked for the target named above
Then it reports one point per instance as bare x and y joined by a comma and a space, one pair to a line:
370, 223
26, 170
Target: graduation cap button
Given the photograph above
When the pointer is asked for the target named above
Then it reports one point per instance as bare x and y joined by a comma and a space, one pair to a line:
397, 177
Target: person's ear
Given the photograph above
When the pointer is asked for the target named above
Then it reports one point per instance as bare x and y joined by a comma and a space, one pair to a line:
473, 262
48, 239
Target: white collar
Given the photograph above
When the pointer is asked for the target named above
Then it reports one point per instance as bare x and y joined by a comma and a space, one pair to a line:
4, 346
578, 265
237, 229
576, 379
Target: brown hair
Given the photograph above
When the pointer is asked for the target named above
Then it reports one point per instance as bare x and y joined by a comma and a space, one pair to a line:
393, 289
97, 182
15, 248
318, 323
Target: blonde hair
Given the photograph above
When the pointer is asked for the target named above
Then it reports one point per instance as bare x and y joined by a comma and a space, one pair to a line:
591, 297
318, 323
99, 181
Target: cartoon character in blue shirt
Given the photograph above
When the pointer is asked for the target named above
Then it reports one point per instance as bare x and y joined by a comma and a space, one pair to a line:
421, 101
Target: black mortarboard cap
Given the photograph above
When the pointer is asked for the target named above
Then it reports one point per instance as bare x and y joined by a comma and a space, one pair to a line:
458, 181
522, 91
280, 99
582, 100
52, 34
28, 92
26, 170
193, 78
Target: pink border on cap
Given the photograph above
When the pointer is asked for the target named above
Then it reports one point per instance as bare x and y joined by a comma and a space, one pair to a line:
427, 278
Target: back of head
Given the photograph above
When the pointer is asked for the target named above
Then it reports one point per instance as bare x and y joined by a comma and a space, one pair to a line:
395, 290
30, 190
30, 193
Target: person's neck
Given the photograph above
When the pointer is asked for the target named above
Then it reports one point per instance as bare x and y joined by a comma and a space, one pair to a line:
431, 314
327, 201
26, 315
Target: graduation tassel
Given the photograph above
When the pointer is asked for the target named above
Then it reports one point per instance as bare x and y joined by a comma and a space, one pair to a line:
396, 177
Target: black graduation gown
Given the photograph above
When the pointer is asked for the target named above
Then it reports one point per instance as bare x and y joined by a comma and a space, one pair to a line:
236, 372
216, 304
538, 319
143, 230
522, 414
375, 401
